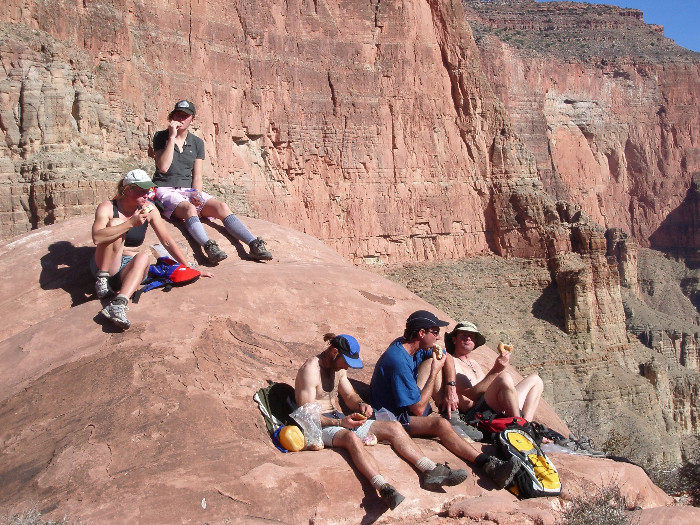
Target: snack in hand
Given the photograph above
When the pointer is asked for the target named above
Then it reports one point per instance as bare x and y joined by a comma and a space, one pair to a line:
148, 208
438, 351
504, 349
357, 416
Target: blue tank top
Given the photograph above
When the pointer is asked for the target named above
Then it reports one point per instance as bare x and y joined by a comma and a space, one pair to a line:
135, 236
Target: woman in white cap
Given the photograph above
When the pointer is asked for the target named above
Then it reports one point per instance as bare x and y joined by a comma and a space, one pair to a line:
495, 389
118, 231
179, 164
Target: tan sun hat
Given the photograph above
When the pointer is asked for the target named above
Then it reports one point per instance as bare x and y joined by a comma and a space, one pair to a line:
463, 326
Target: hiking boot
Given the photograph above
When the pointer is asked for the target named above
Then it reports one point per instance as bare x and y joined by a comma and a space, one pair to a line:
116, 312
258, 251
102, 287
442, 475
502, 472
390, 496
214, 253
463, 430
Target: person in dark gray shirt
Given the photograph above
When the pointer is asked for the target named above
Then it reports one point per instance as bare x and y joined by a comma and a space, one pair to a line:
179, 161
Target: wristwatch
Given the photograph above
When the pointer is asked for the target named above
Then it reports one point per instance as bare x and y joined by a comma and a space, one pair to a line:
451, 383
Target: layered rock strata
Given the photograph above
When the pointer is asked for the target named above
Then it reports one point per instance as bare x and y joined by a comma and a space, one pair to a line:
604, 101
369, 126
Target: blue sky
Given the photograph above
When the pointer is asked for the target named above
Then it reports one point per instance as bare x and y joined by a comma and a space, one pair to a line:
680, 18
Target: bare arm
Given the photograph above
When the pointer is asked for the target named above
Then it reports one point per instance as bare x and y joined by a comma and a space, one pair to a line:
164, 157
352, 398
449, 375
197, 178
101, 233
479, 389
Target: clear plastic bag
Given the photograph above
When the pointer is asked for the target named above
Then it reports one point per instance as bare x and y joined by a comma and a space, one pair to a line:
309, 418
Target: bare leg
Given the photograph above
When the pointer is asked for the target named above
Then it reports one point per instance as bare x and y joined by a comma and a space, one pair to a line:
529, 393
502, 396
422, 378
216, 208
393, 432
184, 211
441, 428
363, 460
133, 273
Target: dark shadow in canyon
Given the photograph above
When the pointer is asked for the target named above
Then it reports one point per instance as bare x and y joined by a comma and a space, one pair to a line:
548, 307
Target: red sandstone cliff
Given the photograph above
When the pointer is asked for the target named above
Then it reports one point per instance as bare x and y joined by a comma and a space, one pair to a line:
157, 424
369, 126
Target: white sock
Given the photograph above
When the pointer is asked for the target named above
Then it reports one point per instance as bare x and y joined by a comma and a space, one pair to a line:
424, 464
378, 481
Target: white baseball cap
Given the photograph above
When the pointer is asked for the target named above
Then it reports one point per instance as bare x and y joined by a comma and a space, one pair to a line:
138, 177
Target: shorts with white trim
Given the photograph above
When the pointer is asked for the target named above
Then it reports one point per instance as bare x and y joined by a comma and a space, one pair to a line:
169, 198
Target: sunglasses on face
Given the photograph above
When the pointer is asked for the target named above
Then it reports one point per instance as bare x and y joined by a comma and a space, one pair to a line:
139, 190
434, 331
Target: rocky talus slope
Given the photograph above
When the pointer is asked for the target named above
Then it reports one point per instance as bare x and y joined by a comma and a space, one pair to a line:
157, 424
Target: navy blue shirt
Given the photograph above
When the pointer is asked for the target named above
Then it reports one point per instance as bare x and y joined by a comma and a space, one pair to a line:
393, 384
179, 175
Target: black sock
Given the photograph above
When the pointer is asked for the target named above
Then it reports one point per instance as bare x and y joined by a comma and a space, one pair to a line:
481, 459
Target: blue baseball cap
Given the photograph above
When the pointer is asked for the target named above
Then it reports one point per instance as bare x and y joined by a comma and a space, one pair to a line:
349, 348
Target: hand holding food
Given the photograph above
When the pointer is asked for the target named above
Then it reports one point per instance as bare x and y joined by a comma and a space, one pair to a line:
357, 416
504, 349
438, 351
148, 208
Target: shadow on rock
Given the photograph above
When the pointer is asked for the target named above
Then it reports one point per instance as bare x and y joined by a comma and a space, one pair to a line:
549, 307
68, 267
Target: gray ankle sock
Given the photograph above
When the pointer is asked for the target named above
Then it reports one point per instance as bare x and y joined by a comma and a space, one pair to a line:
121, 299
194, 226
237, 229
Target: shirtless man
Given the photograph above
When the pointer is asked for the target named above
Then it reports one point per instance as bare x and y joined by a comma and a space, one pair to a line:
320, 379
495, 390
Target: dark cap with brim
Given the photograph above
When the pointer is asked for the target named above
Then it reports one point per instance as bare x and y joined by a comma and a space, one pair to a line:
423, 319
349, 348
463, 326
185, 106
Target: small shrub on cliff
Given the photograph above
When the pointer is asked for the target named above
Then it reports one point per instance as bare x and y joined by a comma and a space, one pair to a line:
682, 482
606, 506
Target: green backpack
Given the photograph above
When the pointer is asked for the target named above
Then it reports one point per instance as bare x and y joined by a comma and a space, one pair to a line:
276, 402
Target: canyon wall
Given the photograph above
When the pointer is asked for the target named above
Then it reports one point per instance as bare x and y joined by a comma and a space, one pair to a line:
369, 126
606, 104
